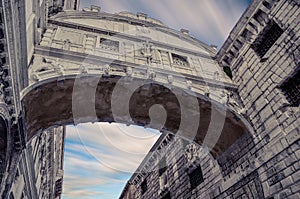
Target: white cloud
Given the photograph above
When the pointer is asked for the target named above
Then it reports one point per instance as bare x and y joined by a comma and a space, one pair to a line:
98, 154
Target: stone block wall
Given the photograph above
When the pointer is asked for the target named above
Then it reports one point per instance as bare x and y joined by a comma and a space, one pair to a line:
263, 53
261, 79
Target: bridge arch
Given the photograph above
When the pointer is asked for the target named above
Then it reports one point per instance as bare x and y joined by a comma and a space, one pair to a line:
51, 103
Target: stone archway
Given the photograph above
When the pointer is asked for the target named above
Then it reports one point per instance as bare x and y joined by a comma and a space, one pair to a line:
51, 103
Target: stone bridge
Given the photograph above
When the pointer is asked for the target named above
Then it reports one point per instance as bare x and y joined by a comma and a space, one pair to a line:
132, 69
84, 56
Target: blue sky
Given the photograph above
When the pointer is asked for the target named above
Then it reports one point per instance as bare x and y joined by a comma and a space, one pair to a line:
99, 158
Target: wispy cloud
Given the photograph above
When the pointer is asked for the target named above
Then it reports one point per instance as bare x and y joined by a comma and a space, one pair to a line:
208, 20
101, 157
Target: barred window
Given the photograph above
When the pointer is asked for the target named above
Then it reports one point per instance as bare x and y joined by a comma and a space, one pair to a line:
266, 39
291, 89
144, 186
108, 44
179, 60
196, 177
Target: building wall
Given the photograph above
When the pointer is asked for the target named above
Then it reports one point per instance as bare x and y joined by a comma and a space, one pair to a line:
264, 61
261, 76
40, 169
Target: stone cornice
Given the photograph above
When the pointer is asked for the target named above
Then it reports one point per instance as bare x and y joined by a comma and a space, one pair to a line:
59, 18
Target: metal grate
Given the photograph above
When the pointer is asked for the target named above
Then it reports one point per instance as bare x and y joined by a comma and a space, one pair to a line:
196, 177
267, 39
291, 89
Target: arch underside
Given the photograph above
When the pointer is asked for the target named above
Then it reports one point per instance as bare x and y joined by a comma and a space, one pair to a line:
52, 104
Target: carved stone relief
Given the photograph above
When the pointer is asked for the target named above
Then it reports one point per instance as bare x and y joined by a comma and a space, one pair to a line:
191, 153
151, 54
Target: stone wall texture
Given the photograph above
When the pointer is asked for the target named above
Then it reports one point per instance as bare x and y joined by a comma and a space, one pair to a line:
263, 54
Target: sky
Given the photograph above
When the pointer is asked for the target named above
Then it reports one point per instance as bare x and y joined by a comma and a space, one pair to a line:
100, 157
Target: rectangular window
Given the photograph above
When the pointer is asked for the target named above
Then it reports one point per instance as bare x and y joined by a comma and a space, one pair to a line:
162, 166
167, 196
179, 60
110, 45
144, 186
291, 89
196, 177
266, 39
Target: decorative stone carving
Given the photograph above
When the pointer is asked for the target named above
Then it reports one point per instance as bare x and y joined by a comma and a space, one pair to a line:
129, 71
4, 111
224, 98
83, 69
156, 56
106, 69
146, 51
2, 93
170, 79
150, 73
59, 69
189, 84
232, 102
35, 77
206, 91
66, 45
216, 75
191, 153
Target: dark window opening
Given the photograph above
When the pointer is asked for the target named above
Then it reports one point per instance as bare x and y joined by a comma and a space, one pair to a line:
11, 196
167, 196
260, 16
228, 72
144, 186
267, 5
196, 177
1, 34
291, 89
39, 23
266, 39
1, 48
162, 165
